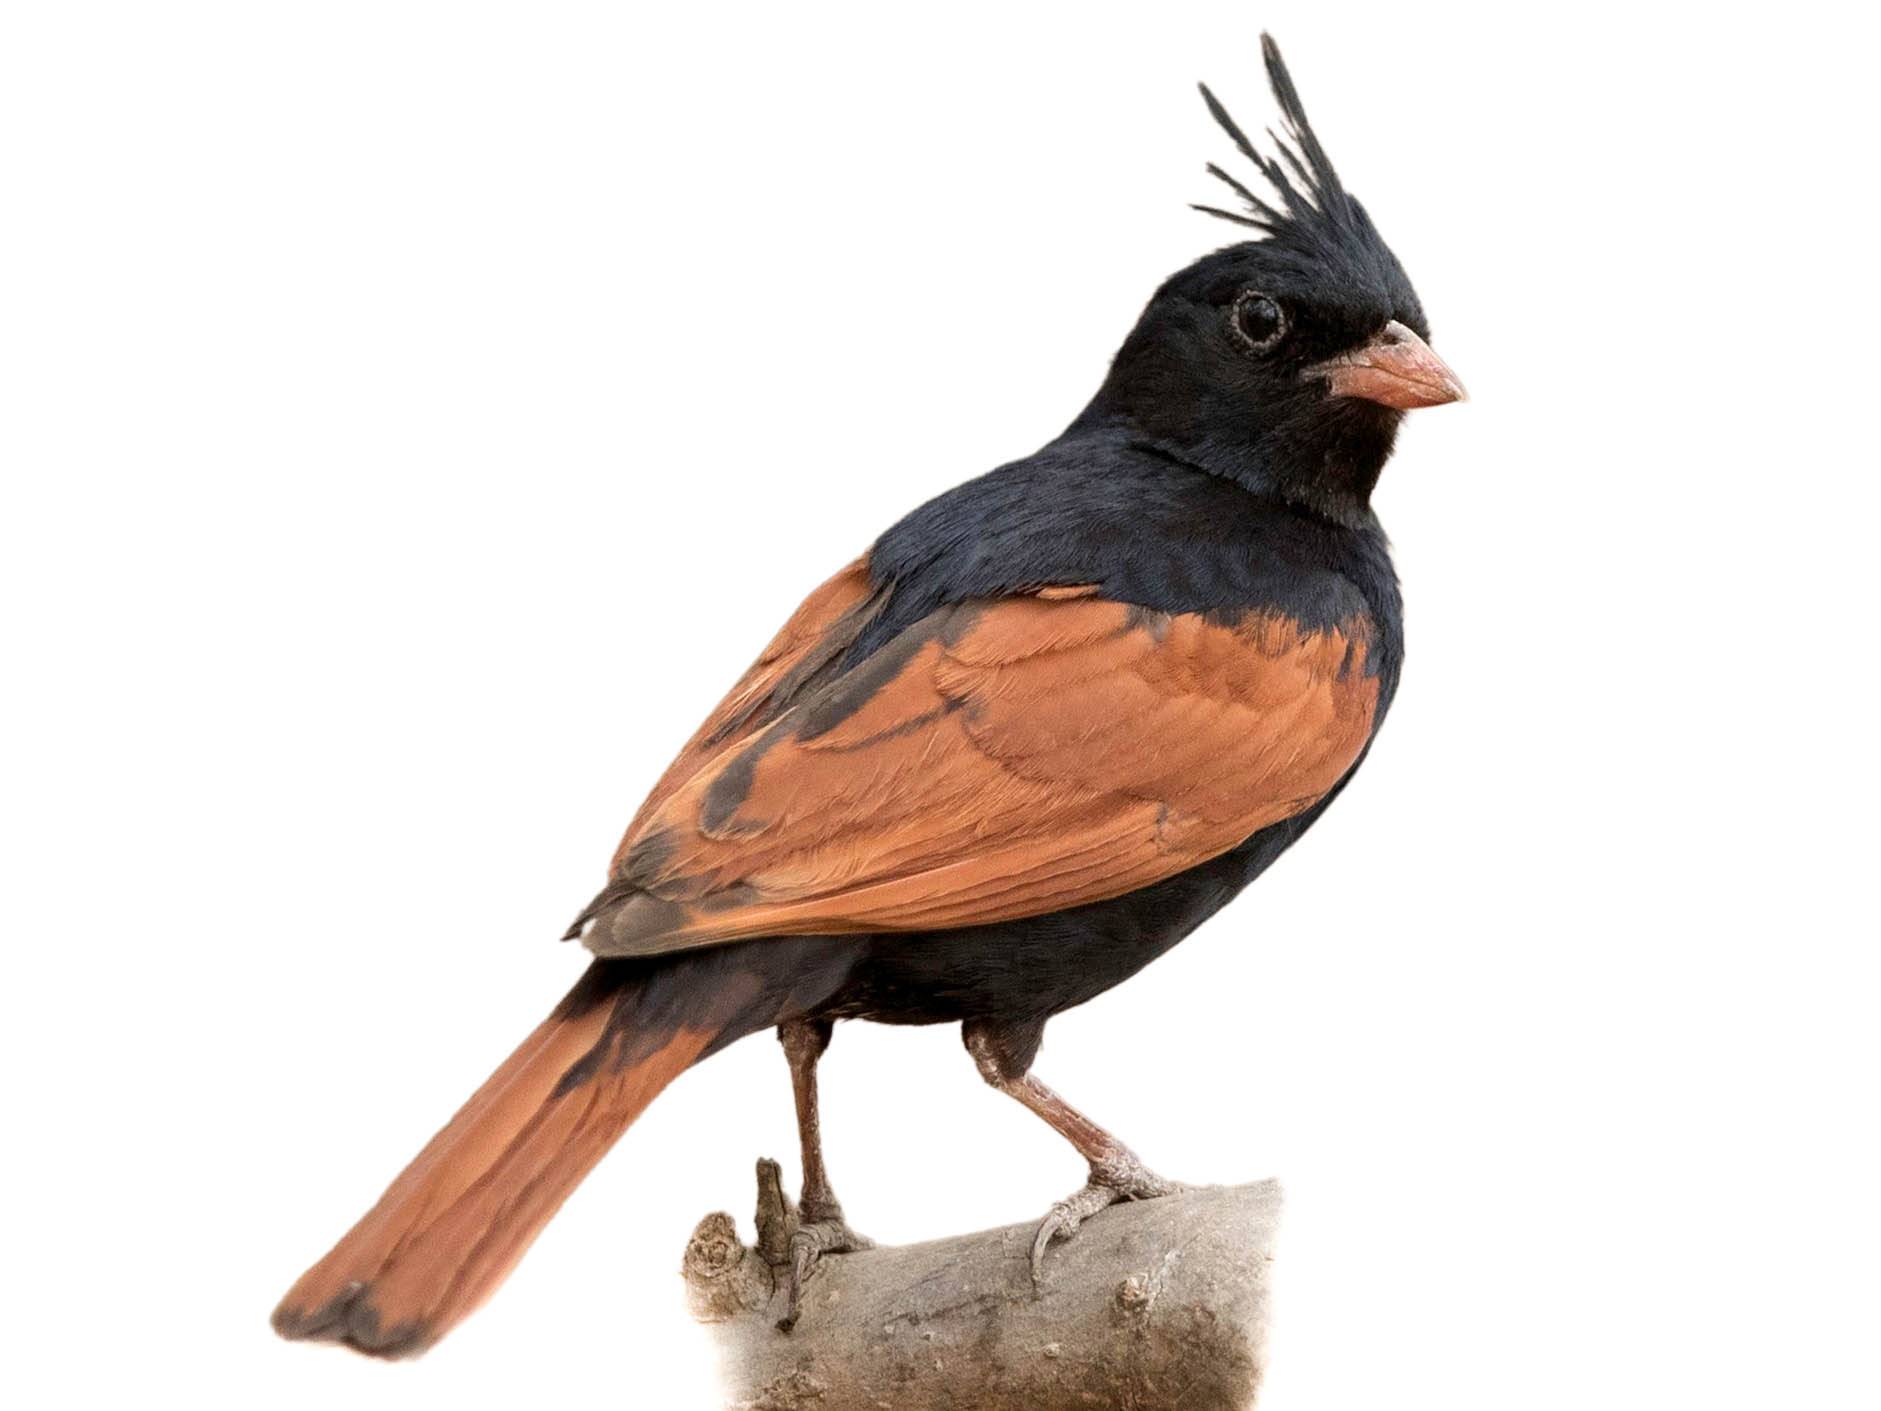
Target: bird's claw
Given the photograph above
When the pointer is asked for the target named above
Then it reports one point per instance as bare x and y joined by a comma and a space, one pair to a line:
793, 1241
1112, 1181
809, 1242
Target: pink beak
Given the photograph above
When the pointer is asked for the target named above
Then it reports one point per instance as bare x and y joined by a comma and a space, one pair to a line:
1396, 369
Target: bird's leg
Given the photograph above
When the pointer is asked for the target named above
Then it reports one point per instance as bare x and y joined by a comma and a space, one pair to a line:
820, 1228
1004, 1054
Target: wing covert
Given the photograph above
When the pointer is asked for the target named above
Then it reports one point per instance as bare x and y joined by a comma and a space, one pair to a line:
997, 759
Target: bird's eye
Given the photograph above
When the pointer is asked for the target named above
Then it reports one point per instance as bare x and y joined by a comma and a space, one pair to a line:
1258, 321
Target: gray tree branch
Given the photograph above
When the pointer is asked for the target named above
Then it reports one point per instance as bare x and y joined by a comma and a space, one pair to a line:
1152, 1306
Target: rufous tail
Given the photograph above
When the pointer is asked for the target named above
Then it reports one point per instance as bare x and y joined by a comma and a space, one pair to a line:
456, 1220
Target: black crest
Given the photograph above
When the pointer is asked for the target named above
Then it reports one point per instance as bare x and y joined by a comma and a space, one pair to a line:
1314, 208
1310, 218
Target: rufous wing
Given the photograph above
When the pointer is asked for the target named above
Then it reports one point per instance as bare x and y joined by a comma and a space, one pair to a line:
812, 642
998, 759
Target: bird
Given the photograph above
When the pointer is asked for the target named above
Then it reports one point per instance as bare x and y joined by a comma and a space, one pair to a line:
1046, 726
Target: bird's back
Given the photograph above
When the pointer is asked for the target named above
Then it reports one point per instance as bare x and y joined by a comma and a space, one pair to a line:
1107, 508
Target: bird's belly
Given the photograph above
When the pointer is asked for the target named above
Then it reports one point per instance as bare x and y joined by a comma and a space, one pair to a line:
1041, 965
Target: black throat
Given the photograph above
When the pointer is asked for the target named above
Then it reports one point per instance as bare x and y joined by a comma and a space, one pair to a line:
1299, 448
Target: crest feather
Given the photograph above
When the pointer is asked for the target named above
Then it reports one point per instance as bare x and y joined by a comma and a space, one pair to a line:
1302, 176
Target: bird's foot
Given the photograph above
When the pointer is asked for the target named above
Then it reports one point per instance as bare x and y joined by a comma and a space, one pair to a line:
1113, 1180
809, 1243
794, 1241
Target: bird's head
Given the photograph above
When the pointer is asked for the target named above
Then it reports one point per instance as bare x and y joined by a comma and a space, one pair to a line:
1286, 361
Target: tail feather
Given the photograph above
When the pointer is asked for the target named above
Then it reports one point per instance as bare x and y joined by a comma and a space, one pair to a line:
453, 1224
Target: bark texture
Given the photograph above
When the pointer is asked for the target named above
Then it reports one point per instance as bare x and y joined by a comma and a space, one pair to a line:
1152, 1305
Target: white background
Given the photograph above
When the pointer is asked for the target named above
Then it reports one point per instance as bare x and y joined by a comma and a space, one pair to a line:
414, 416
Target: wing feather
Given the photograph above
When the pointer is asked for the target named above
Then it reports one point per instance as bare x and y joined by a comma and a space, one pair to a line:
996, 760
